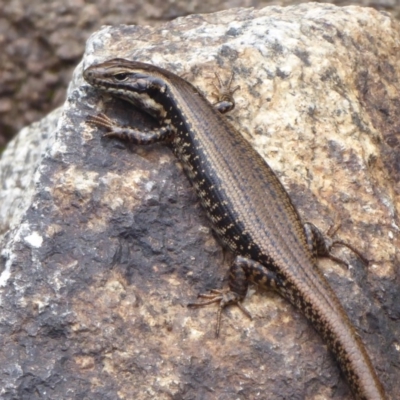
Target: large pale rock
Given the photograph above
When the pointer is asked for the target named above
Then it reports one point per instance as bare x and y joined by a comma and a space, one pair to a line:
103, 244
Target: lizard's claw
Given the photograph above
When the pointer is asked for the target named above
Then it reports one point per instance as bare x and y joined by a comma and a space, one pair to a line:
224, 297
101, 120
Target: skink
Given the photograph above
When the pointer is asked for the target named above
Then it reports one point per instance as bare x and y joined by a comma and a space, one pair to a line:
246, 203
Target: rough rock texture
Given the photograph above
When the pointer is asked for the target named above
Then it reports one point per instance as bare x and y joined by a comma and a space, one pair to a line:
105, 246
42, 41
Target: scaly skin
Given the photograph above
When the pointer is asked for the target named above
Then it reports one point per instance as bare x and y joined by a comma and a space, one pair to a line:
246, 203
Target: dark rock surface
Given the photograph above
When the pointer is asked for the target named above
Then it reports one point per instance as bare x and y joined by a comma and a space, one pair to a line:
104, 244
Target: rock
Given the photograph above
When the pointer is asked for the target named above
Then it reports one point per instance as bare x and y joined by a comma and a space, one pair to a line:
104, 244
49, 36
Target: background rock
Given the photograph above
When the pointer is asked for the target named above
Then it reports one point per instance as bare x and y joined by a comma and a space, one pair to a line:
104, 248
42, 42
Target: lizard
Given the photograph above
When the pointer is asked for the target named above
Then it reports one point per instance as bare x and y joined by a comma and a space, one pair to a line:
248, 206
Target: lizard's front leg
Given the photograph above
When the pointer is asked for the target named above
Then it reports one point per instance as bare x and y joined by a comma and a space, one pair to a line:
131, 134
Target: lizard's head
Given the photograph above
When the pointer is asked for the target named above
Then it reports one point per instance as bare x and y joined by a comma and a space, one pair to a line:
133, 81
119, 75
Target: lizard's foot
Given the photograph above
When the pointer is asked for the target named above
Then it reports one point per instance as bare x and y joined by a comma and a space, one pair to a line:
224, 297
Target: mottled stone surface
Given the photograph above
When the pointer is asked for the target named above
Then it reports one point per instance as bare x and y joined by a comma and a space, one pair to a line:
42, 41
104, 244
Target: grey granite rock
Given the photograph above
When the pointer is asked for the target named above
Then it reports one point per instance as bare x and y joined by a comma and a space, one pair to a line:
42, 41
103, 244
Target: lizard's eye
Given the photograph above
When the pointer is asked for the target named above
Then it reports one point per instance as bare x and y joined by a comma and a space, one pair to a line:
121, 77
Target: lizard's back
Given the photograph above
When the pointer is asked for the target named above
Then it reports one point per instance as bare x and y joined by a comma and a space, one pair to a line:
253, 214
